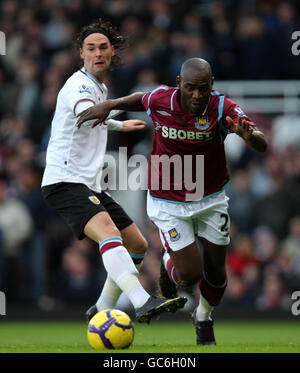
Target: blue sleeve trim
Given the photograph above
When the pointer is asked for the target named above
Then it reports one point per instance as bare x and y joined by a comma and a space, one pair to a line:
220, 107
155, 90
172, 100
220, 114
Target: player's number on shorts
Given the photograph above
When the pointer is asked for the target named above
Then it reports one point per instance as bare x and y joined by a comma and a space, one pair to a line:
224, 227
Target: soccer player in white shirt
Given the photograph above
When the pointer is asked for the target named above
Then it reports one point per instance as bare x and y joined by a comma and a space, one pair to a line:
73, 163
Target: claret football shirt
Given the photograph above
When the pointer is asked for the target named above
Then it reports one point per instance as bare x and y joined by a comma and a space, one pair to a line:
179, 137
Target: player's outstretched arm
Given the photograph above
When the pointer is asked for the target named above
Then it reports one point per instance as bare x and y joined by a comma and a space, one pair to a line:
101, 111
251, 135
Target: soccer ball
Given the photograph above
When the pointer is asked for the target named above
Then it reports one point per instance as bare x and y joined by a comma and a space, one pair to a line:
110, 329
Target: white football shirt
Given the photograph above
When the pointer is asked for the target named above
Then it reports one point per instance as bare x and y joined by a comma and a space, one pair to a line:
76, 155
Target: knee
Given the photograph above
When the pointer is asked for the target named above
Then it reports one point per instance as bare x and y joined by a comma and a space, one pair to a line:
141, 246
110, 230
101, 227
216, 275
215, 267
189, 278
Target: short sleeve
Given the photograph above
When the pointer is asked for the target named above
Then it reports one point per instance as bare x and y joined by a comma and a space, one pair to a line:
82, 105
145, 100
232, 110
151, 99
80, 92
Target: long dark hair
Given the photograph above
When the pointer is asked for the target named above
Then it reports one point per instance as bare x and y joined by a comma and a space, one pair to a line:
112, 33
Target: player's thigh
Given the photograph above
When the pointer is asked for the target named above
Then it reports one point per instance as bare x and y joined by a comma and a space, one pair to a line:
178, 238
187, 262
101, 227
212, 227
214, 256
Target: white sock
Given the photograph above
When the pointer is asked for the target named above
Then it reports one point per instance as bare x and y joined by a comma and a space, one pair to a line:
122, 271
134, 290
110, 293
203, 310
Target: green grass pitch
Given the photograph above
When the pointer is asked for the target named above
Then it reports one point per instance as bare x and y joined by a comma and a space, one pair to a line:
158, 337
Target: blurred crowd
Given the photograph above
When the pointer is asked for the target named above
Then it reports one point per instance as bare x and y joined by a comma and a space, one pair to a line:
40, 260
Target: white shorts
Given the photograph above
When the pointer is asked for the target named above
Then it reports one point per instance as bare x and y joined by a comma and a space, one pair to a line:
179, 223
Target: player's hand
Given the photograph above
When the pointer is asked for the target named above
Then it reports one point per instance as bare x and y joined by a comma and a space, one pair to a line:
99, 112
243, 128
133, 125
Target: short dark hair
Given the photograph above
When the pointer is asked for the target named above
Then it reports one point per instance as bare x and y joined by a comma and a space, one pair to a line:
112, 33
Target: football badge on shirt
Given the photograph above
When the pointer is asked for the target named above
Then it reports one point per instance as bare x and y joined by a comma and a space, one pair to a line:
174, 235
84, 89
202, 123
95, 200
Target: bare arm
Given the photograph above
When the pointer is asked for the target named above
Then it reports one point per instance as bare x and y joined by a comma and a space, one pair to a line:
257, 141
251, 135
132, 102
101, 111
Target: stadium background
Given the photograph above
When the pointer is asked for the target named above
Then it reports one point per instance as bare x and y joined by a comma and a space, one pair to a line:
44, 270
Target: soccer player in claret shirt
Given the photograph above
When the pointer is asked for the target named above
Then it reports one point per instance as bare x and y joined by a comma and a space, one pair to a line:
73, 163
190, 120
